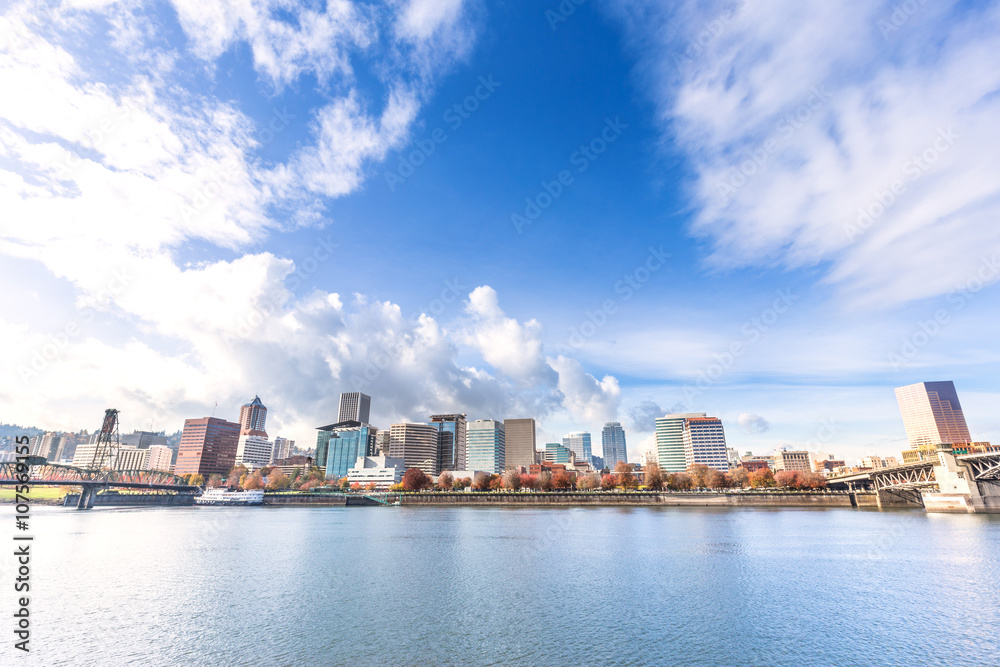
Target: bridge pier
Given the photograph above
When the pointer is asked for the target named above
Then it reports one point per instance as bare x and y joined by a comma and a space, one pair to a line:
87, 493
887, 498
958, 490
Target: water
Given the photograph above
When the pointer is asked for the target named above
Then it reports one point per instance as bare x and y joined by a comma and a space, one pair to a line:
559, 586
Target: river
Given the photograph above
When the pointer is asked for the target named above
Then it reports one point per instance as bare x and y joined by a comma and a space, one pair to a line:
496, 586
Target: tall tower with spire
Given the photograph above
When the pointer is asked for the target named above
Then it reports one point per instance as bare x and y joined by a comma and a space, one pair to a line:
253, 448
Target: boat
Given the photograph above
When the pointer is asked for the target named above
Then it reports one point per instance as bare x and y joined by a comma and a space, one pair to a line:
222, 496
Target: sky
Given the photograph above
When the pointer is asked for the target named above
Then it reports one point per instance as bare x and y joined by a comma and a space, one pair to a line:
577, 211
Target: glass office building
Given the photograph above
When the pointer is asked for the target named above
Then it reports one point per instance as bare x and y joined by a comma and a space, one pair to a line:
340, 445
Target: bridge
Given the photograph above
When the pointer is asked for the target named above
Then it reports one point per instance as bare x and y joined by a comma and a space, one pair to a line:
40, 472
965, 482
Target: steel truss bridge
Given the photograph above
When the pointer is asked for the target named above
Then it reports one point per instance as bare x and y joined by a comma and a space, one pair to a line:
41, 473
985, 467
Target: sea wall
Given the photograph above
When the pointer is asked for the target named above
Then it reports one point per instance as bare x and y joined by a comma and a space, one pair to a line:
133, 499
669, 499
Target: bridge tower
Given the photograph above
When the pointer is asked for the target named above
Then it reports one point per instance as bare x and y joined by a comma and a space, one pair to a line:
108, 442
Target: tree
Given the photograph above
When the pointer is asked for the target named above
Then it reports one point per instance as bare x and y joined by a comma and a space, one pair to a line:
371, 486
529, 482
254, 481
445, 481
679, 481
496, 483
416, 479
512, 480
545, 481
715, 479
235, 476
277, 480
815, 480
215, 481
787, 479
196, 480
345, 484
608, 482
397, 487
739, 478
626, 478
481, 482
699, 475
561, 480
654, 477
589, 482
762, 478
462, 484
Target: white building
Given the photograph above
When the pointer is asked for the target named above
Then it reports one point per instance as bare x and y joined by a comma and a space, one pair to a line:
704, 442
159, 458
382, 471
254, 450
132, 458
282, 449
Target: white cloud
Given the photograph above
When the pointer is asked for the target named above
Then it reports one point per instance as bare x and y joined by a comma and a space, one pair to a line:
752, 423
795, 115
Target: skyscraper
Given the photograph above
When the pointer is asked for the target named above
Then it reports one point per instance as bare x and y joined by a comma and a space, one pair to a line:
556, 453
579, 442
207, 447
705, 443
932, 414
613, 444
451, 441
282, 449
253, 447
354, 406
670, 441
416, 444
486, 444
519, 442
340, 445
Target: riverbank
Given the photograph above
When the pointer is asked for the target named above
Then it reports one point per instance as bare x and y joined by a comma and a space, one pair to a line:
664, 499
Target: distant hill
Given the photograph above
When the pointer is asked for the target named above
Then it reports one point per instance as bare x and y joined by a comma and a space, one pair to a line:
13, 431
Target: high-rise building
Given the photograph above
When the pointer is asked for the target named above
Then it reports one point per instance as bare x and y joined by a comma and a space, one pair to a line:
143, 439
47, 446
932, 414
132, 458
354, 406
253, 448
556, 453
252, 418
670, 441
579, 442
207, 447
451, 441
486, 444
519, 442
382, 443
705, 443
159, 457
340, 445
416, 444
613, 445
282, 449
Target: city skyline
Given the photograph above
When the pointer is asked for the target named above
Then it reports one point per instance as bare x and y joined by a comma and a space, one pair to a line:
731, 279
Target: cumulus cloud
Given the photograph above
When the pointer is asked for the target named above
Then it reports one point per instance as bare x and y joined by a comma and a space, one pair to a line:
751, 423
818, 136
642, 417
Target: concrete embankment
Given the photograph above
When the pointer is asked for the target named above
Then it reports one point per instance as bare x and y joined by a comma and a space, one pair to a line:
133, 499
316, 500
671, 499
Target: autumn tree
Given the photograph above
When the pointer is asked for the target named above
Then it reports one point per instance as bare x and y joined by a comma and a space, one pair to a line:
654, 477
715, 479
512, 480
561, 480
462, 484
214, 481
608, 482
415, 479
496, 483
254, 481
699, 475
277, 480
679, 481
545, 481
196, 480
235, 475
762, 478
589, 482
445, 481
625, 475
787, 479
481, 482
739, 478
529, 482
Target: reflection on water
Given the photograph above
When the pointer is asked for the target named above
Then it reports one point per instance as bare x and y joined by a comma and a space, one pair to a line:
388, 586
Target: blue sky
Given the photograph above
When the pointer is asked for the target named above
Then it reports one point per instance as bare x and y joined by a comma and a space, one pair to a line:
198, 208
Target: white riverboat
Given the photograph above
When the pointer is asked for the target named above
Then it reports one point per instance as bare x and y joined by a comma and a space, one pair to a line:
221, 496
